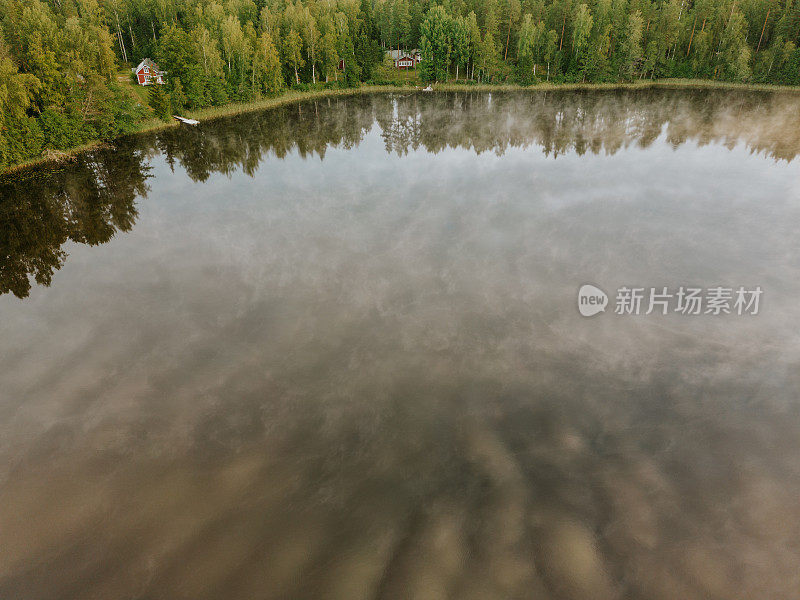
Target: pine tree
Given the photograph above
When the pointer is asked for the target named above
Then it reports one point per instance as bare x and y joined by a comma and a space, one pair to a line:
158, 100
177, 97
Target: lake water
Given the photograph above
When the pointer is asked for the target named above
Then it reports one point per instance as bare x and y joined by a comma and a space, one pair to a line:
333, 351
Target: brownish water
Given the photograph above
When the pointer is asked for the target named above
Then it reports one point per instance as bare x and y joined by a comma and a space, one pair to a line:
333, 351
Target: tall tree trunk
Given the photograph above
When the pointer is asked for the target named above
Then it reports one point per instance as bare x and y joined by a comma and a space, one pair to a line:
122, 46
691, 37
119, 37
762, 29
508, 37
130, 30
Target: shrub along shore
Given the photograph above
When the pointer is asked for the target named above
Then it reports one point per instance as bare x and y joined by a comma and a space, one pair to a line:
292, 96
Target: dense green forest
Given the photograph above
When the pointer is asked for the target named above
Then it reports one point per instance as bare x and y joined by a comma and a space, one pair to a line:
598, 40
65, 64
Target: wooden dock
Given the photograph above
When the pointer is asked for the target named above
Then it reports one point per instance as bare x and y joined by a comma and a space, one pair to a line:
186, 121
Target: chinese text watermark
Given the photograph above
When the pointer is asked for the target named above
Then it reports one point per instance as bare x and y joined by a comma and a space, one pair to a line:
717, 300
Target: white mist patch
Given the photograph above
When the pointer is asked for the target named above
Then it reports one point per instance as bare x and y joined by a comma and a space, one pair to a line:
591, 300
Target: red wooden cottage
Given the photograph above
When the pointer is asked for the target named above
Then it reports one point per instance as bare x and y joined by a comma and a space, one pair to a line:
148, 73
405, 62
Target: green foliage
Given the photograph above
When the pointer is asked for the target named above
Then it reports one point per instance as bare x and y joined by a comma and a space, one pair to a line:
292, 53
181, 56
460, 42
435, 43
267, 77
159, 101
535, 48
20, 135
367, 55
61, 130
177, 96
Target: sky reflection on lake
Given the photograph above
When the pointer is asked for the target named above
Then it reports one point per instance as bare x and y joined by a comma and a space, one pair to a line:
333, 351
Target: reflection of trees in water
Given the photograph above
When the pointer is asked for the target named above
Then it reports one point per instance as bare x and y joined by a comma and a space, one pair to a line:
590, 122
87, 202
223, 145
555, 122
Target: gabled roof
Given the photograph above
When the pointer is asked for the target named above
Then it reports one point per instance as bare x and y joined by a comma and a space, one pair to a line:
147, 63
398, 54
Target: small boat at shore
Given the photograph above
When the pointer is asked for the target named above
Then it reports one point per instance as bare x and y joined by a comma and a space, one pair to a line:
186, 121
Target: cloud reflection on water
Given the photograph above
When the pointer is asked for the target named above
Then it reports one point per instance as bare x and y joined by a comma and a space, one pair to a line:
365, 377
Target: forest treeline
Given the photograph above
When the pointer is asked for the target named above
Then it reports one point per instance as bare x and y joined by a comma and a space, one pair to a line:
598, 40
61, 60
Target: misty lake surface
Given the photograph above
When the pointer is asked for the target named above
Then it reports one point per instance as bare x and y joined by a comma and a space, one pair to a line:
333, 351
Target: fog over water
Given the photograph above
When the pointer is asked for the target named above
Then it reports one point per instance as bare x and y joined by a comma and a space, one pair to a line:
333, 351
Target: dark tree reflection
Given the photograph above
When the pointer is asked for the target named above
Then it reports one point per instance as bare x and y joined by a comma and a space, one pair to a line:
86, 201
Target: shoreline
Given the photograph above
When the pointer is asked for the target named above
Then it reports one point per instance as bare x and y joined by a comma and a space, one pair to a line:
55, 157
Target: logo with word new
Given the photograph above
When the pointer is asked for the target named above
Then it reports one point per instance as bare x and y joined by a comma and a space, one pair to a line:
591, 300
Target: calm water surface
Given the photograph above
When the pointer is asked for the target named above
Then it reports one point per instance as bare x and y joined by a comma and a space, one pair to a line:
333, 351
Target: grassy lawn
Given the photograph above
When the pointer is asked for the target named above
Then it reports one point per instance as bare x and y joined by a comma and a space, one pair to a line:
138, 92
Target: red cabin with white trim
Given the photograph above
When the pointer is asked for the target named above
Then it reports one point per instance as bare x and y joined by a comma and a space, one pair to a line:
148, 73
